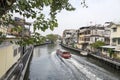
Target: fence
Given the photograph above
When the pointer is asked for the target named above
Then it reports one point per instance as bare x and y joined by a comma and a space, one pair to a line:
16, 72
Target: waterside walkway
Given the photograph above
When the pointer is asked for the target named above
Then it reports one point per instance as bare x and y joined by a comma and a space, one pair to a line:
17, 72
115, 63
107, 60
75, 49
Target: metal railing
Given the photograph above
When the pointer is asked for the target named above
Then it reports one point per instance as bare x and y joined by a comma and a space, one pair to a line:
16, 71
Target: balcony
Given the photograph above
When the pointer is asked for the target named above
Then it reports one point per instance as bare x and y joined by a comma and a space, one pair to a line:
117, 48
114, 44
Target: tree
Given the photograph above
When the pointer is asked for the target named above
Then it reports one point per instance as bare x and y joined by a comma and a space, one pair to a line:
2, 37
52, 37
34, 9
111, 52
27, 7
97, 44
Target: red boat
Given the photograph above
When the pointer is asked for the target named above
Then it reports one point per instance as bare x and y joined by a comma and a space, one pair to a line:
64, 54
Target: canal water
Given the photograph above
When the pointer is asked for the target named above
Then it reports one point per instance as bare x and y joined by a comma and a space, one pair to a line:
47, 65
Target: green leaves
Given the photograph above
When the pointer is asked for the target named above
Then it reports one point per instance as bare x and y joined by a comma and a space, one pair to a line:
50, 1
42, 23
2, 37
53, 24
111, 52
97, 44
46, 2
52, 37
34, 9
17, 29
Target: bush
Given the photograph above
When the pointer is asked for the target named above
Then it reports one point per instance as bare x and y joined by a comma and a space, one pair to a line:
2, 37
97, 44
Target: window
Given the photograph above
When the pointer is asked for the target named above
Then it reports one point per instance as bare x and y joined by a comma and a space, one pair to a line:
15, 52
19, 49
113, 40
114, 29
119, 41
87, 39
88, 31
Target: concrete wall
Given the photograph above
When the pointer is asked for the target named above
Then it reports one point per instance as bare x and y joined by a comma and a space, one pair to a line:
79, 46
118, 55
117, 33
3, 29
8, 57
94, 39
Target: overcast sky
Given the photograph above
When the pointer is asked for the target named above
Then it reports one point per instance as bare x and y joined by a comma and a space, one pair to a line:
98, 12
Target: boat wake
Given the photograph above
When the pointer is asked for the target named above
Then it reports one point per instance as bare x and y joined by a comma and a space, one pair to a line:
84, 70
79, 70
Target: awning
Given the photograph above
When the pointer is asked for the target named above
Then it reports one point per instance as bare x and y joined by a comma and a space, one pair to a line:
109, 46
10, 36
117, 50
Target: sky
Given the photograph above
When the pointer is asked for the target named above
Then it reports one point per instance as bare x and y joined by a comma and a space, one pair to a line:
98, 12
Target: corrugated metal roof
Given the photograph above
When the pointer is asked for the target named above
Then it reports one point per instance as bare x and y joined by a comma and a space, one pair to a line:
109, 46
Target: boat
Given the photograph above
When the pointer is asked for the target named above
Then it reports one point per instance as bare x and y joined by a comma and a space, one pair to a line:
84, 53
63, 53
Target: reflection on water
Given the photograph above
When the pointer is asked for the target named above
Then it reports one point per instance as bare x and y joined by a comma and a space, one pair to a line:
46, 65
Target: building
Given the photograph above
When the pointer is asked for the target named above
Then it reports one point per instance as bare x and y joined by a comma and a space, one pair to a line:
83, 37
114, 42
70, 37
107, 32
11, 53
90, 34
3, 29
18, 28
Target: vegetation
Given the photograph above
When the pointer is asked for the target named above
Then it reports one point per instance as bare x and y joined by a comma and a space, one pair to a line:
36, 38
52, 37
35, 9
2, 37
97, 44
111, 52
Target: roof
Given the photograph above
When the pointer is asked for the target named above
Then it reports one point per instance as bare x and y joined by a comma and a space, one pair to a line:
109, 46
10, 36
92, 27
115, 48
85, 27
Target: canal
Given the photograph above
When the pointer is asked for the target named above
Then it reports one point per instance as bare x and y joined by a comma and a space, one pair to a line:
46, 65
